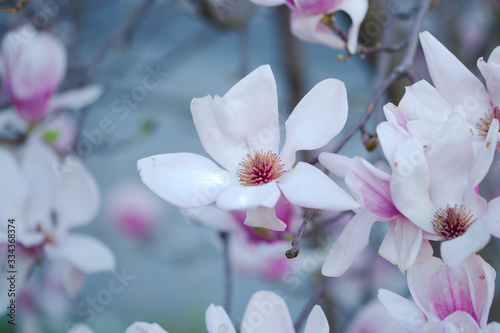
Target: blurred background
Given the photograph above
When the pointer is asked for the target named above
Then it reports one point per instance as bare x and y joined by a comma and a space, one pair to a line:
174, 264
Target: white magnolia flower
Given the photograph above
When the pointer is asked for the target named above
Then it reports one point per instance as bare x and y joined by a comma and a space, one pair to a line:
240, 131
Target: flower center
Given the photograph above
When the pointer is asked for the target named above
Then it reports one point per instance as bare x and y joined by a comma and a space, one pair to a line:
260, 168
483, 126
452, 222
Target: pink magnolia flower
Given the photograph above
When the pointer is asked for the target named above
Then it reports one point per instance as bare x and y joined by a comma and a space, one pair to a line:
240, 131
55, 207
459, 86
374, 318
371, 188
33, 66
445, 299
308, 20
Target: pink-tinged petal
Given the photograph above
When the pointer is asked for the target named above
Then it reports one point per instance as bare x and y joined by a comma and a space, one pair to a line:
491, 73
410, 184
419, 276
402, 310
268, 2
482, 277
310, 29
264, 217
337, 164
357, 11
14, 188
452, 79
266, 313
317, 322
459, 322
491, 328
449, 292
349, 245
243, 121
217, 320
316, 120
76, 98
373, 318
394, 115
183, 179
390, 136
456, 250
402, 243
236, 197
73, 280
142, 327
34, 67
78, 197
83, 252
422, 101
306, 186
371, 187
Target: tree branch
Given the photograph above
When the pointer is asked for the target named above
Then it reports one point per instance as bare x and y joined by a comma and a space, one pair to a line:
320, 289
294, 251
228, 286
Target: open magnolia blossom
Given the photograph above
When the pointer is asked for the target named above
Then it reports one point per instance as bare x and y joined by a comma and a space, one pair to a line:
445, 299
33, 65
241, 132
371, 188
459, 87
56, 205
374, 318
310, 20
265, 313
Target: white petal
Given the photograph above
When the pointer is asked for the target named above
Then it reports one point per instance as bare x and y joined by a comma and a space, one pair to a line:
183, 179
213, 217
14, 188
73, 280
310, 29
142, 327
337, 164
493, 327
264, 217
267, 313
410, 185
316, 120
268, 2
307, 186
218, 321
349, 245
237, 197
82, 252
402, 310
80, 328
77, 98
356, 9
452, 79
243, 121
78, 197
390, 136
317, 322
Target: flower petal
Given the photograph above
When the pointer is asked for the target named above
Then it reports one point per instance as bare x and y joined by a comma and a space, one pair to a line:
452, 79
14, 189
317, 322
337, 164
142, 327
390, 136
237, 197
310, 29
76, 98
402, 310
243, 121
491, 73
264, 217
307, 186
266, 313
316, 120
357, 11
82, 252
217, 320
349, 245
183, 179
419, 276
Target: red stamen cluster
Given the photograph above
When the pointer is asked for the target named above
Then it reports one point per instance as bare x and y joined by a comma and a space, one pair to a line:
452, 222
260, 168
483, 126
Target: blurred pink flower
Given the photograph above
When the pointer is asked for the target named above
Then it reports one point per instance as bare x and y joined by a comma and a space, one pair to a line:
374, 318
33, 66
241, 132
445, 297
134, 210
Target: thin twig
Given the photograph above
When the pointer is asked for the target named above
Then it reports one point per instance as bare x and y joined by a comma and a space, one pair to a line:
228, 286
294, 251
320, 289
403, 69
382, 48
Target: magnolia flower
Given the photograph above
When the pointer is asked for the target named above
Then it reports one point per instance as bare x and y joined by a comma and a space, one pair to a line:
459, 86
240, 131
33, 66
311, 20
265, 313
445, 299
374, 318
371, 188
56, 205
435, 173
